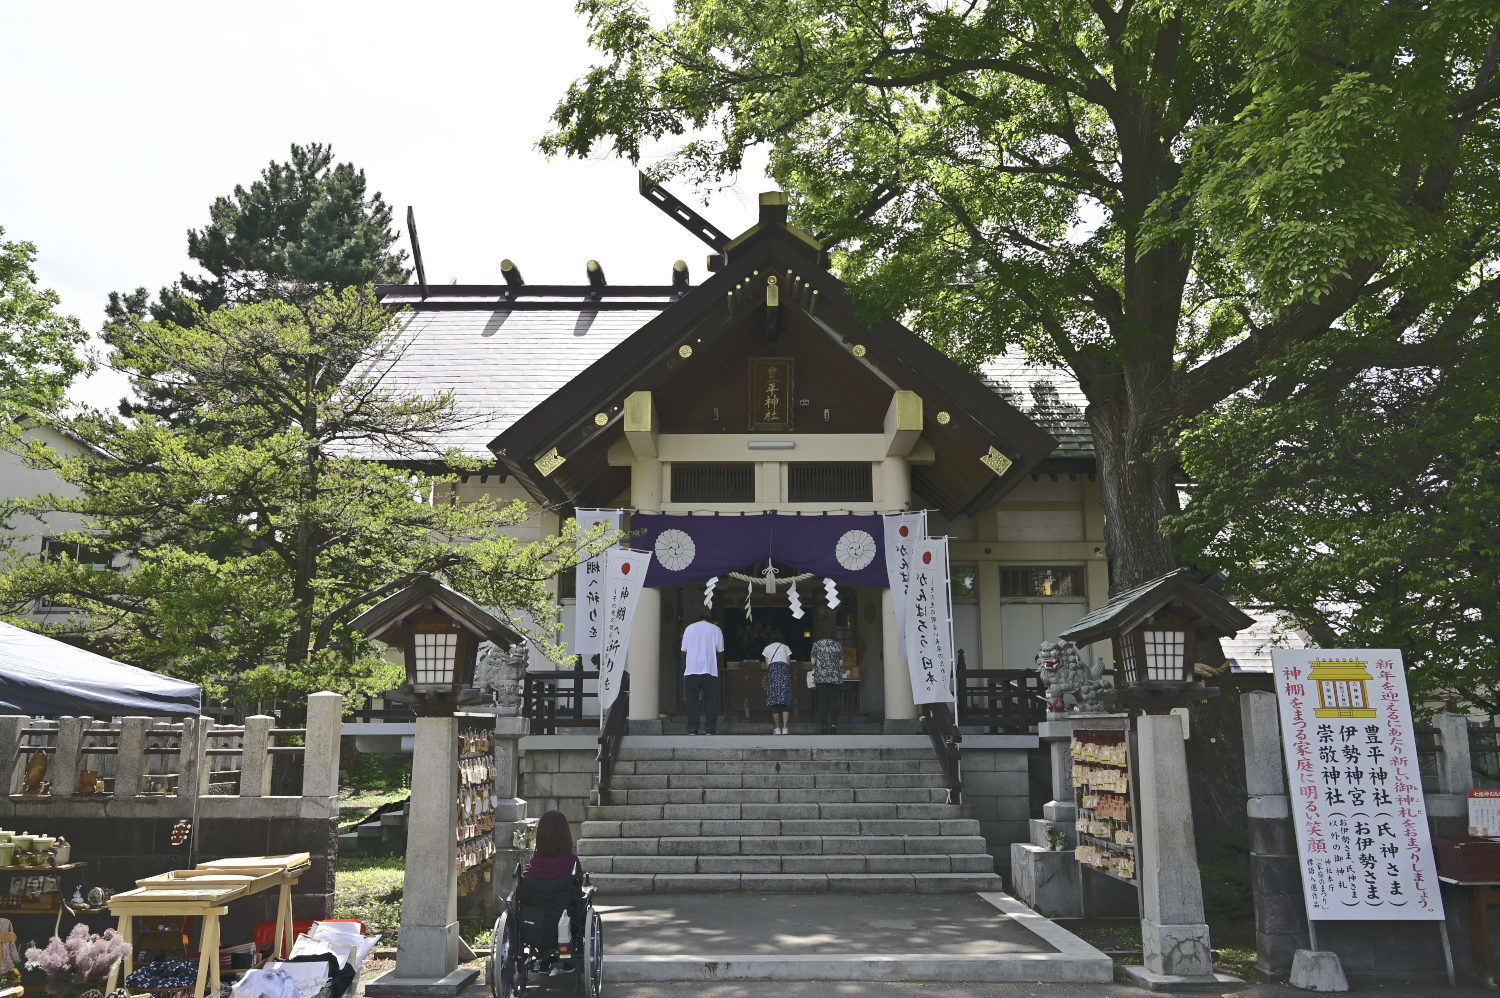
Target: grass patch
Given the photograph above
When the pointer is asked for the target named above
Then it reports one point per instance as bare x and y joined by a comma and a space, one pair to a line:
369, 888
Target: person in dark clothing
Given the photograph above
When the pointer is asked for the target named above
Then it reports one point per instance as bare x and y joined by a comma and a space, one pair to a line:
554, 857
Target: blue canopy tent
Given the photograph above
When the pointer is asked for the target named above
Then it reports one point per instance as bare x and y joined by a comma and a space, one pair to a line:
43, 676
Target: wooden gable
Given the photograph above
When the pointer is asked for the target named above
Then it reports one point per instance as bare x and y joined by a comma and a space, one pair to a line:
694, 358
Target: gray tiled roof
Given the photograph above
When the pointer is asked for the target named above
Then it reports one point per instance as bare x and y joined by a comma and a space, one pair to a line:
1049, 395
501, 363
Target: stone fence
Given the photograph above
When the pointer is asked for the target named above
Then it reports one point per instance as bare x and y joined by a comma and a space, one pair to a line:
1365, 949
152, 774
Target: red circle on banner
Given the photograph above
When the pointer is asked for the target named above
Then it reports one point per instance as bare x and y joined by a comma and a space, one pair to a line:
903, 530
927, 557
598, 523
625, 568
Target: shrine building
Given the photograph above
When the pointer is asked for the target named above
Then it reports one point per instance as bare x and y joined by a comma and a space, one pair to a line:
750, 426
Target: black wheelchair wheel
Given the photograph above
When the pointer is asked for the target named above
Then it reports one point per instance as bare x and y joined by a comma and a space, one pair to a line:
591, 960
500, 970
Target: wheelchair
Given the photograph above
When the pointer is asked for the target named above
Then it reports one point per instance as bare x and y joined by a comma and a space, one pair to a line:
526, 942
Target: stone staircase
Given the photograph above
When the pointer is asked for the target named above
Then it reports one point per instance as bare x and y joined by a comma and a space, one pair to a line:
710, 814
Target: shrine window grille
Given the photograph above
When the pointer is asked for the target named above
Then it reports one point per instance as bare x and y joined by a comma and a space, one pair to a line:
713, 482
844, 482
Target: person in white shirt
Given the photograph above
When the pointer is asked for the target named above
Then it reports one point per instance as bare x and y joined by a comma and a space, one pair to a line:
703, 654
778, 659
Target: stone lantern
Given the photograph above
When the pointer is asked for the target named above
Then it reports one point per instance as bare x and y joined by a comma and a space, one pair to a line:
1155, 629
438, 632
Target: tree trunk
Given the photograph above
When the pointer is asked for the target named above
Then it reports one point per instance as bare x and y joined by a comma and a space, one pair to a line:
1138, 488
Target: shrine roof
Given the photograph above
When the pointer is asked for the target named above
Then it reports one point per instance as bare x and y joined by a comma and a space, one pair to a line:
1049, 395
1129, 608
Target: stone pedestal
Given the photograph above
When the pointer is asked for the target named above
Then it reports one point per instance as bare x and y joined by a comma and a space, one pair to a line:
1049, 879
428, 952
1174, 936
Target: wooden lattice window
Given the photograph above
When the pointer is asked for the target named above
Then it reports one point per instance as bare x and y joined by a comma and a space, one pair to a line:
713, 482
843, 482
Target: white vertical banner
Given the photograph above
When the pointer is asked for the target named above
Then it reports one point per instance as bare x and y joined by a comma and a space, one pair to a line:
929, 623
588, 614
1355, 785
902, 530
624, 578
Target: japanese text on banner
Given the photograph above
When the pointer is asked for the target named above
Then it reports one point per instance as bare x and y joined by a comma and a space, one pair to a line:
624, 577
902, 530
588, 613
1354, 786
929, 623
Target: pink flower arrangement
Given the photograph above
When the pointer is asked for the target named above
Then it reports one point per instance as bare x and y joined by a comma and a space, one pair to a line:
79, 959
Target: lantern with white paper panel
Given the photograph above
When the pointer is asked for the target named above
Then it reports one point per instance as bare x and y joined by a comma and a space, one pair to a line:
1157, 630
438, 631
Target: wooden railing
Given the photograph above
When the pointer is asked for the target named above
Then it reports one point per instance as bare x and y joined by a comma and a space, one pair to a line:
612, 734
1003, 701
554, 700
937, 721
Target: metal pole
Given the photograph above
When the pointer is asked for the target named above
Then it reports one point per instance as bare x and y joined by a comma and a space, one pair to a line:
1447, 951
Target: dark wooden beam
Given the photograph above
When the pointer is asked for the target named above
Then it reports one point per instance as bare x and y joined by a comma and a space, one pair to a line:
680, 276
681, 213
511, 273
596, 275
416, 249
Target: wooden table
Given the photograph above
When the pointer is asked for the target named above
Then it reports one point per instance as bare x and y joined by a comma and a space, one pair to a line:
206, 892
43, 909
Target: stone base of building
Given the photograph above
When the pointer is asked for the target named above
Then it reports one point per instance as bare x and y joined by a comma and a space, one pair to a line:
1046, 879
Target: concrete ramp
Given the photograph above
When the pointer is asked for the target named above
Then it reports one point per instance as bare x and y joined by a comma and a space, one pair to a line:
827, 937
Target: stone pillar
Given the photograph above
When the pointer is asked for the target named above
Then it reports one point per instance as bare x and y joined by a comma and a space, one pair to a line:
130, 756
255, 757
64, 769
510, 809
10, 760
1448, 802
427, 953
1174, 936
1275, 871
320, 757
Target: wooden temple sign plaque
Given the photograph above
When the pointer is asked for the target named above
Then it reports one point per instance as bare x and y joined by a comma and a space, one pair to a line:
772, 381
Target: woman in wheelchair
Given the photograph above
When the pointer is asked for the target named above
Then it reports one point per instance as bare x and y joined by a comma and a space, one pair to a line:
549, 924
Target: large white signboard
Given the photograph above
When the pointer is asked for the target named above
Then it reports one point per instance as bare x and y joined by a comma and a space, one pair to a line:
588, 614
929, 623
1356, 791
624, 578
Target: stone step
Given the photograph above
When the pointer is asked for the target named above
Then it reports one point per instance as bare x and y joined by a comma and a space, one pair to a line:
774, 795
871, 810
954, 843
796, 883
693, 750
741, 827
774, 781
761, 766
828, 864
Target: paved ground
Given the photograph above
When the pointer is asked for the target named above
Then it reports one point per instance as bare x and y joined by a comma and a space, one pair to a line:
944, 989
810, 924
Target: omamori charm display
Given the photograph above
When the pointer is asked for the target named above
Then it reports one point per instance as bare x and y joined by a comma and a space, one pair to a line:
1355, 788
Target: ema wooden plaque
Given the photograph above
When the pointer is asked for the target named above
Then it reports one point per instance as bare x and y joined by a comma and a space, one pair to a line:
772, 381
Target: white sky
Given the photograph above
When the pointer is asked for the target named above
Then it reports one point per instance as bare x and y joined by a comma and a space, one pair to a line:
120, 123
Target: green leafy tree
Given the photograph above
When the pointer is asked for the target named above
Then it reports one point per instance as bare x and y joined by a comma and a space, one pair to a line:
243, 544
1161, 197
41, 351
1364, 507
306, 226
